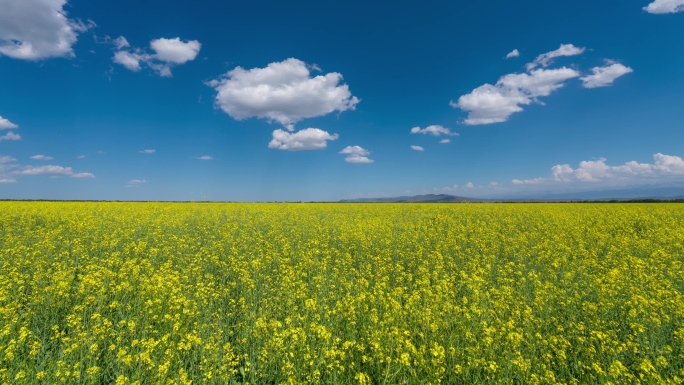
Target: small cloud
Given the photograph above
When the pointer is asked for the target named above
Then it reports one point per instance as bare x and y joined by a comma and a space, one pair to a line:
356, 154
8, 180
136, 182
205, 157
42, 157
514, 53
547, 58
120, 43
81, 157
445, 141
148, 151
665, 6
417, 148
306, 139
6, 124
604, 76
435, 130
6, 159
10, 136
167, 53
469, 185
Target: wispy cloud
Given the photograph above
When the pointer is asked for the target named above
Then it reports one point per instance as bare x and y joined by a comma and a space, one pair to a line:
148, 151
512, 54
53, 170
136, 182
205, 157
435, 130
417, 148
41, 157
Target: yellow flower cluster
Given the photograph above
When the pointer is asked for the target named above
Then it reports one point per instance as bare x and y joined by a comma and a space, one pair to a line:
213, 293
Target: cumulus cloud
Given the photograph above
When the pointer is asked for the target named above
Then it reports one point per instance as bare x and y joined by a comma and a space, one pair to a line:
52, 170
42, 157
495, 103
166, 53
665, 6
445, 141
306, 139
547, 58
6, 124
435, 130
598, 171
136, 182
174, 50
604, 76
514, 53
205, 157
10, 136
417, 148
38, 29
282, 92
356, 154
148, 151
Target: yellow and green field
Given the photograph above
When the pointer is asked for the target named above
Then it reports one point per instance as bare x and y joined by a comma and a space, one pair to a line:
213, 293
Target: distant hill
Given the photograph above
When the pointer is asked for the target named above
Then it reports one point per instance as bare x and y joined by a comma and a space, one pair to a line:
613, 195
429, 198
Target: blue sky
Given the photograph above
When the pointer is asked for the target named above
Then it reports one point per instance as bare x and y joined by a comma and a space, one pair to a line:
303, 100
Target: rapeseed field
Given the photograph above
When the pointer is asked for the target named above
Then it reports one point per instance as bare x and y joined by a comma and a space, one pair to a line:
214, 293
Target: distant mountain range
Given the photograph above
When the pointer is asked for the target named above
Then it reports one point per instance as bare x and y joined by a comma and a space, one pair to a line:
584, 196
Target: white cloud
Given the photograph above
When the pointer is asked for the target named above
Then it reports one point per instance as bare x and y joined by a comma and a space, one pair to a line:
205, 157
38, 29
598, 171
6, 159
148, 151
306, 139
435, 130
52, 170
356, 154
10, 136
282, 92
167, 53
8, 180
665, 6
120, 42
174, 50
417, 148
129, 60
604, 76
445, 141
495, 103
42, 157
81, 157
469, 185
514, 53
136, 182
6, 124
547, 58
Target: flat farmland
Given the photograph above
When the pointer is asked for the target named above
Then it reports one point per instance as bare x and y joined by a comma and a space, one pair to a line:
228, 293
